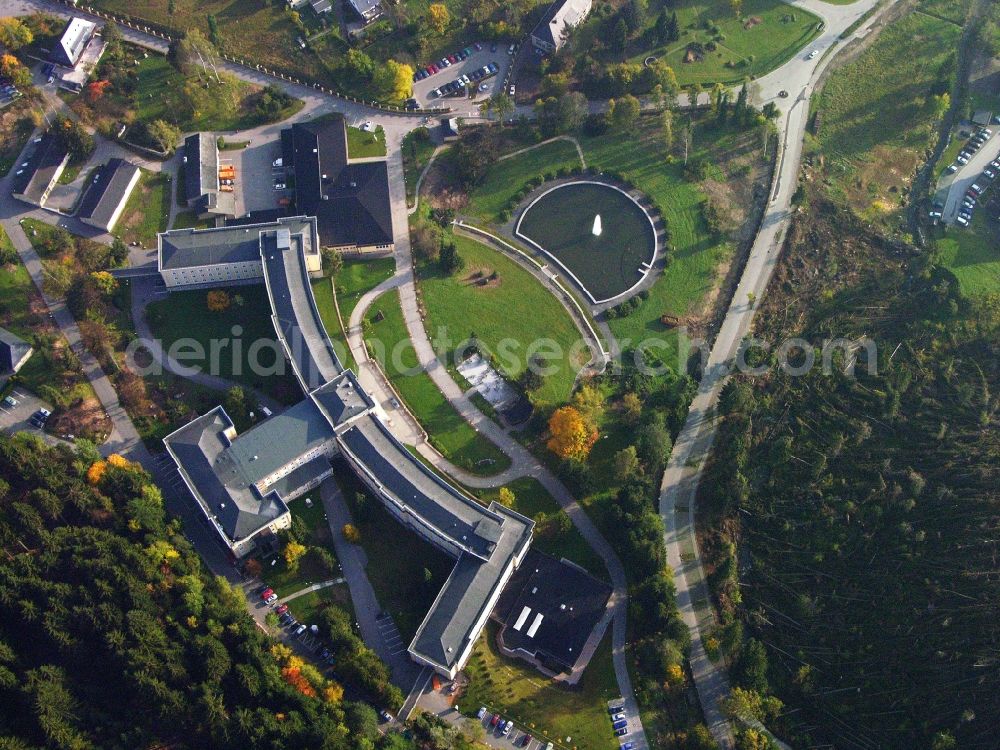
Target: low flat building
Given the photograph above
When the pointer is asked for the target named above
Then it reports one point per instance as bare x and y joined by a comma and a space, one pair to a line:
107, 195
202, 190
35, 178
562, 16
349, 200
367, 10
14, 353
231, 254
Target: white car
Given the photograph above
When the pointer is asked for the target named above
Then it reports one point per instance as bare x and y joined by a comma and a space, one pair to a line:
962, 220
272, 598
279, 186
813, 54
368, 126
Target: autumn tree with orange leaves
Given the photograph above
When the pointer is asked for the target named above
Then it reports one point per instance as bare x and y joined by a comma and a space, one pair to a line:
572, 435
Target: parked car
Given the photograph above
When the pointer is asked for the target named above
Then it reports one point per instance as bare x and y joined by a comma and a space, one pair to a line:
495, 720
812, 55
385, 716
962, 220
494, 68
300, 630
481, 713
445, 62
526, 740
452, 59
976, 188
511, 48
510, 90
962, 159
618, 717
266, 593
272, 598
507, 727
628, 746
40, 417
279, 186
995, 164
952, 169
621, 732
619, 724
478, 46
281, 609
616, 709
989, 173
278, 163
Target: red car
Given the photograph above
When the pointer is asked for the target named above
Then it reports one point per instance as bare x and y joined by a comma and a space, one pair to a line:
266, 593
494, 720
452, 59
433, 69
281, 609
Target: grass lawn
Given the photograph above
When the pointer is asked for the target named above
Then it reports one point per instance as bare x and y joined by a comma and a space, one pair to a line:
357, 277
262, 32
531, 499
693, 269
362, 144
307, 608
417, 150
323, 292
190, 220
457, 307
766, 35
185, 315
448, 431
949, 10
570, 718
285, 581
973, 255
147, 210
510, 175
876, 117
399, 561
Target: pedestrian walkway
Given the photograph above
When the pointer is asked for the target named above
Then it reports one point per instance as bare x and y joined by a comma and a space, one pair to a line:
310, 589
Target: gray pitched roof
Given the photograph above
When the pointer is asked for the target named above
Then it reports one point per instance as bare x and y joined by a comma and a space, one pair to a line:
350, 201
201, 170
33, 177
74, 40
12, 350
471, 589
297, 320
110, 188
559, 18
200, 449
343, 399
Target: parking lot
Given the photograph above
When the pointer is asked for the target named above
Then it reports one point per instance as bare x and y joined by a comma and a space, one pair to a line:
255, 176
490, 53
18, 418
494, 724
962, 180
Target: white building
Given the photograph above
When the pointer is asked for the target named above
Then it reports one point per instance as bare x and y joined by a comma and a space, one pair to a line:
552, 31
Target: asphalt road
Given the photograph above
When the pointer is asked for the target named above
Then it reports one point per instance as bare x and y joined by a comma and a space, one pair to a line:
680, 480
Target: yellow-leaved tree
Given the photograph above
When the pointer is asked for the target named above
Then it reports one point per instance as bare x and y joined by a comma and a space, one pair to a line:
438, 17
572, 436
394, 81
293, 552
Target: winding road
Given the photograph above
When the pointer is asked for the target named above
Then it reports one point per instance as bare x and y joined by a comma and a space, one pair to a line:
681, 477
680, 480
